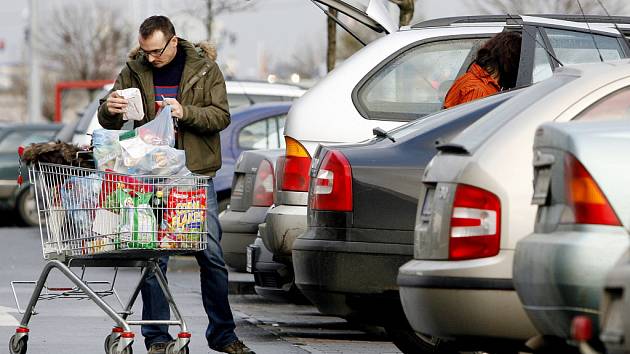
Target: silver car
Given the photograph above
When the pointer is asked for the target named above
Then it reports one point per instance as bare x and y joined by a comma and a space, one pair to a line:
477, 194
580, 174
402, 77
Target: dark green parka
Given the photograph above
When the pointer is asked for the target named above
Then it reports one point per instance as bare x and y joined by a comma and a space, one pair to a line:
202, 95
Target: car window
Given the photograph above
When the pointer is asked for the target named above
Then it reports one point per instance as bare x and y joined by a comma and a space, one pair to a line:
14, 139
542, 65
263, 134
576, 47
615, 106
414, 84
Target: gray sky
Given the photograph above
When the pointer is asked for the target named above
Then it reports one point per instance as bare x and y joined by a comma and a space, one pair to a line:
277, 28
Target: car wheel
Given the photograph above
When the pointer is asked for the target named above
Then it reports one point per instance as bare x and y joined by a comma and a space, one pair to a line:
27, 208
408, 341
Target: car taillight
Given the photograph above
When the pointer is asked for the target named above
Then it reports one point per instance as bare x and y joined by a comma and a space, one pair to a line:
263, 186
475, 224
332, 188
584, 197
297, 164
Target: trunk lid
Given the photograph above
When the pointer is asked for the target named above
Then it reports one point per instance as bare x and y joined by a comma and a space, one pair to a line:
374, 15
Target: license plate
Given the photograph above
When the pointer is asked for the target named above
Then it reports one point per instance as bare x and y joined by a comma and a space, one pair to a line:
251, 253
542, 177
238, 186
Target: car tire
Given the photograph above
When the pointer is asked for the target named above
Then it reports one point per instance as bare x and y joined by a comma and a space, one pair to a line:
408, 341
26, 207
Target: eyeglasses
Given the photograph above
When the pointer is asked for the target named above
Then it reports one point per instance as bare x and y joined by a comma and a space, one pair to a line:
155, 53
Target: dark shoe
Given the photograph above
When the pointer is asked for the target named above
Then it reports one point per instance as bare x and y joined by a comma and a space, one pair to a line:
157, 348
236, 347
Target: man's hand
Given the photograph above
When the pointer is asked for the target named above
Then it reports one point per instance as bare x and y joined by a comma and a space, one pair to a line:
177, 110
116, 104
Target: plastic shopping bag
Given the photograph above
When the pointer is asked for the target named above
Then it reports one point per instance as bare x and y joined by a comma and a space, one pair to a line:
107, 149
159, 131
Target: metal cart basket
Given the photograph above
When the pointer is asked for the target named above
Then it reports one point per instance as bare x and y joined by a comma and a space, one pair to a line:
91, 218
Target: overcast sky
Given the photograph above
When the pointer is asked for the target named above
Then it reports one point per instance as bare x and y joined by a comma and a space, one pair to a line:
275, 27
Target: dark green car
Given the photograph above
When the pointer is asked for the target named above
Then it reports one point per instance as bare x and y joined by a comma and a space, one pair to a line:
13, 196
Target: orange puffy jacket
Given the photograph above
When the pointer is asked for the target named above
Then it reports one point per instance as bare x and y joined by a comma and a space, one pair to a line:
474, 84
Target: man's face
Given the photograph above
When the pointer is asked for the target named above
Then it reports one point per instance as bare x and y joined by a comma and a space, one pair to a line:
153, 45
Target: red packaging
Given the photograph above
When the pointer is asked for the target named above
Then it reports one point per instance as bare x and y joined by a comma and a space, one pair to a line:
184, 218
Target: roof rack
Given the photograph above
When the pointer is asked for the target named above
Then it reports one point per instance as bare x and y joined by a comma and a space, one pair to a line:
515, 19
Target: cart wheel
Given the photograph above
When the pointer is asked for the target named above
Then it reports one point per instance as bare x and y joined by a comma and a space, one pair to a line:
113, 348
170, 349
18, 346
108, 342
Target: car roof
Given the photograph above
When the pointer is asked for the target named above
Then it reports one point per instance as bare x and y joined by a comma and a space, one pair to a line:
264, 106
263, 88
505, 18
589, 22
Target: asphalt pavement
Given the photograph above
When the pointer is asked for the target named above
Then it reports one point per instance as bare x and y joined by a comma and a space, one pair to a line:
69, 326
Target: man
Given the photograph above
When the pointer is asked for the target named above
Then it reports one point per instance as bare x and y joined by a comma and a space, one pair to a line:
192, 84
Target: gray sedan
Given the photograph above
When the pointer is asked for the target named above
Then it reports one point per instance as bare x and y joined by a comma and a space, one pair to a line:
581, 230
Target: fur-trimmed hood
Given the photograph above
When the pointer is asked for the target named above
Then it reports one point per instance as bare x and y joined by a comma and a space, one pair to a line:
204, 49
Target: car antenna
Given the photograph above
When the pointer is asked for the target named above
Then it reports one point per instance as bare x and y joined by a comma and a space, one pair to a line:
590, 31
542, 45
625, 39
327, 12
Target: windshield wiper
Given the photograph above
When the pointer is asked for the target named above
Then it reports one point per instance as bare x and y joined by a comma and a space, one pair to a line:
378, 131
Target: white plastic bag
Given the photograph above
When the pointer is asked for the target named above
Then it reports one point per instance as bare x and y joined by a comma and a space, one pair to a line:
135, 110
159, 131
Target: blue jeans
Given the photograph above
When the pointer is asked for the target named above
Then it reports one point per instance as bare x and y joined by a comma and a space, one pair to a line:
214, 289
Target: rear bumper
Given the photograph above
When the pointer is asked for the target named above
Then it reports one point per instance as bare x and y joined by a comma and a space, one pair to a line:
284, 224
351, 279
472, 298
561, 275
239, 231
273, 280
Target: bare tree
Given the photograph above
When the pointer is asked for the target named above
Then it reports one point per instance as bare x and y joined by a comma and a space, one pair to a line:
84, 42
551, 7
218, 7
406, 11
306, 61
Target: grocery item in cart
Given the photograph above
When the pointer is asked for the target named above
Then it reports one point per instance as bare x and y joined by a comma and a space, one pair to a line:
184, 218
137, 225
79, 197
107, 150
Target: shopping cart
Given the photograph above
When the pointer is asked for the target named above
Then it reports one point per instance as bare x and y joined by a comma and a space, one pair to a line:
90, 218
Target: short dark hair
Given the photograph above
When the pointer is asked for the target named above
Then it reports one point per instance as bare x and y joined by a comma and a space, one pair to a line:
501, 53
157, 23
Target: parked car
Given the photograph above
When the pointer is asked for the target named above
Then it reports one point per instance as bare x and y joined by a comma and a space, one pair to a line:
614, 322
244, 93
259, 126
251, 197
13, 196
404, 76
581, 225
361, 218
476, 207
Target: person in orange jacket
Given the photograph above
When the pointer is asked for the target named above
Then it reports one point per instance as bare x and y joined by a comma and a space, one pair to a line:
494, 69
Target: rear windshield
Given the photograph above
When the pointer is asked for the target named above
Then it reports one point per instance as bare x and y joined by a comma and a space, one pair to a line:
440, 118
473, 136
